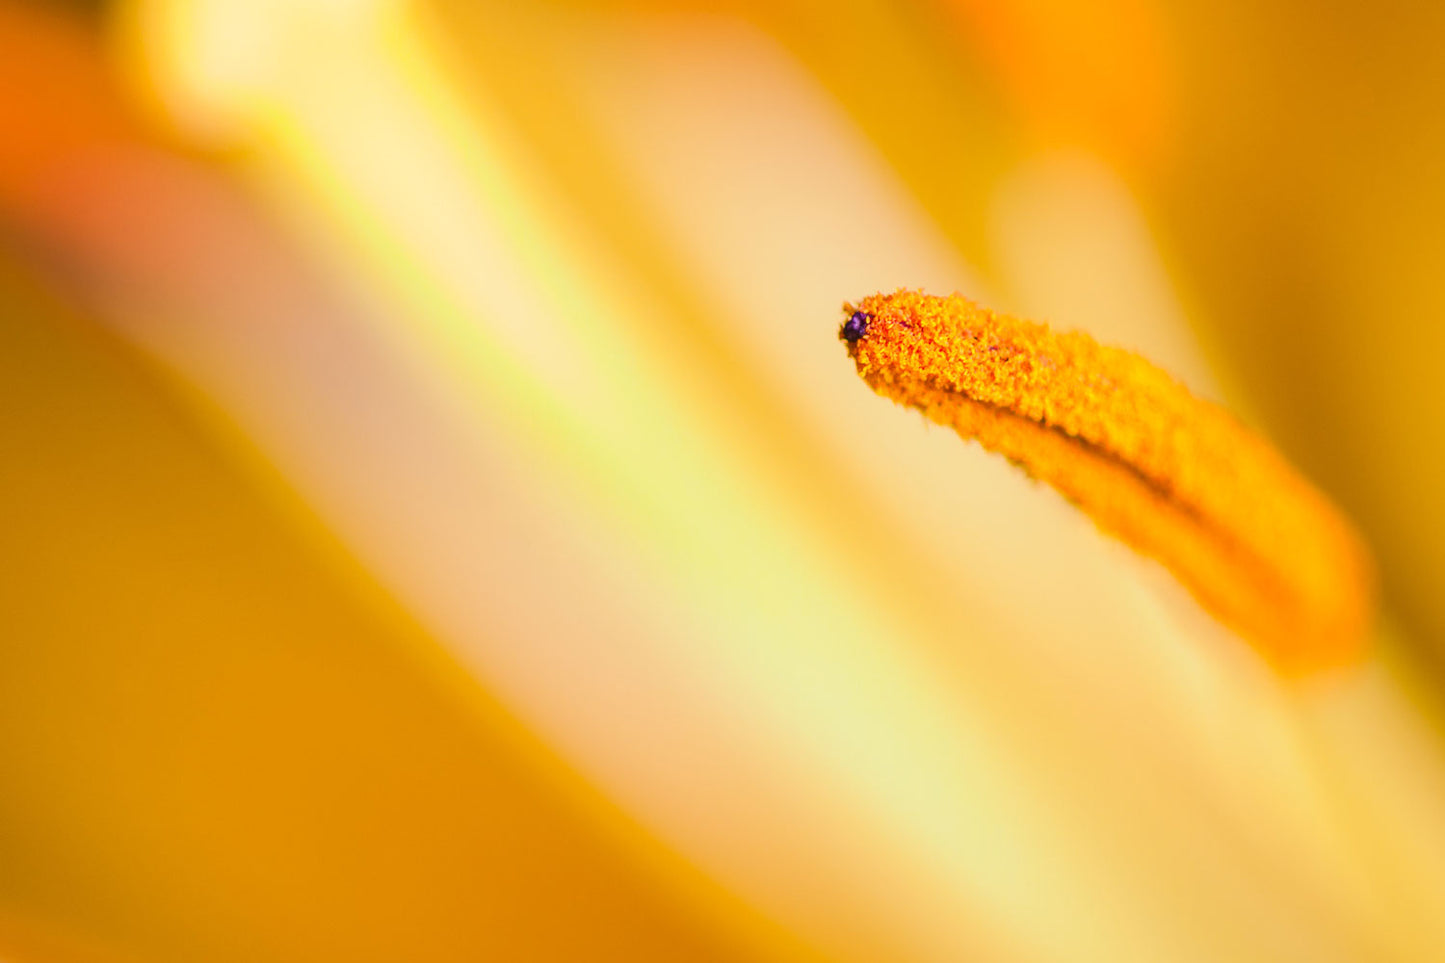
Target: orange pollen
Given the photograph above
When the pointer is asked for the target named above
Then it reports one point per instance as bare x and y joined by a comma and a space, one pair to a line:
1175, 477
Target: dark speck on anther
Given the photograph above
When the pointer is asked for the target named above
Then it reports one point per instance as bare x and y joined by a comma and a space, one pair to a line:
856, 326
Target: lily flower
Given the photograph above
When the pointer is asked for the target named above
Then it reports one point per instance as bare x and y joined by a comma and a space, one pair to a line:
443, 523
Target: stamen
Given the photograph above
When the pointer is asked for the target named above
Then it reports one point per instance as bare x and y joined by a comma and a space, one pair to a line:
1177, 478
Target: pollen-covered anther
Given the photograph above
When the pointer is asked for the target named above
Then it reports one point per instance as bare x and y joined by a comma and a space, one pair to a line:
1177, 478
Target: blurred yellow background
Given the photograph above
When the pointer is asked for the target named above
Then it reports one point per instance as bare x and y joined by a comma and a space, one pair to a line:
438, 522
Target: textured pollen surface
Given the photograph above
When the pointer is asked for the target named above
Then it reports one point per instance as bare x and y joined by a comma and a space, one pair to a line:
1177, 478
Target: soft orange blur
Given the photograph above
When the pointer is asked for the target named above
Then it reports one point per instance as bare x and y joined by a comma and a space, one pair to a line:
439, 522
